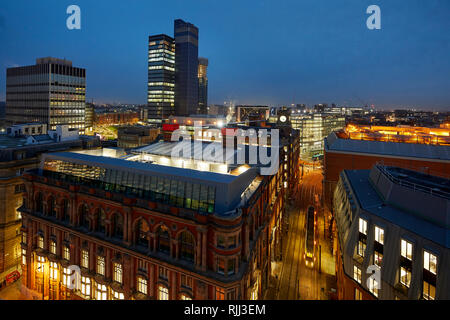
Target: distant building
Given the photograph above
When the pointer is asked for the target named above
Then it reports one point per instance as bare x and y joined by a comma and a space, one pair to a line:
114, 118
202, 86
89, 118
51, 92
161, 78
136, 136
17, 154
254, 114
395, 221
186, 68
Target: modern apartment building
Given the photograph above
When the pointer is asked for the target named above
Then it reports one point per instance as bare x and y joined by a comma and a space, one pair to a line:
393, 234
52, 91
161, 78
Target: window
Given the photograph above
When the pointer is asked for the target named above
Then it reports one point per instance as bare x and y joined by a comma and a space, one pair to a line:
101, 292
429, 291
41, 242
85, 258
185, 297
66, 253
379, 235
53, 247
221, 241
220, 265
373, 286
429, 262
24, 256
101, 265
232, 242
358, 294
118, 226
406, 249
66, 276
24, 237
101, 217
142, 285
84, 212
357, 274
117, 295
163, 239
361, 248
220, 294
163, 273
231, 266
118, 272
363, 226
86, 286
405, 276
231, 295
186, 281
53, 270
186, 246
377, 258
142, 230
163, 293
40, 264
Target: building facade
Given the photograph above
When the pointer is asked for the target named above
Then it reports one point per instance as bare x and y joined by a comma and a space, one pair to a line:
161, 78
136, 136
51, 92
138, 230
202, 86
186, 68
393, 227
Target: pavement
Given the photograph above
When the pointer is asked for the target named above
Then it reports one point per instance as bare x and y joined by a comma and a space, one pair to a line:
293, 280
12, 292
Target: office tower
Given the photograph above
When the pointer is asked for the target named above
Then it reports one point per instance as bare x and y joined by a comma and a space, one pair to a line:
186, 66
161, 78
51, 92
89, 118
202, 86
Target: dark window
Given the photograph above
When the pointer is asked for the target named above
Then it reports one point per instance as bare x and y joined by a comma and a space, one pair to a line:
142, 231
101, 217
65, 210
163, 239
118, 226
39, 203
187, 246
84, 211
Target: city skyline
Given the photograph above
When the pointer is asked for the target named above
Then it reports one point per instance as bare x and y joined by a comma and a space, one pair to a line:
292, 53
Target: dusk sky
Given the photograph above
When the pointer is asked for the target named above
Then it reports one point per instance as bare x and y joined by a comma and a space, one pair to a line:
260, 52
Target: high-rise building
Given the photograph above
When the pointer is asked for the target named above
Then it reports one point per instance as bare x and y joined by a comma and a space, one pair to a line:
186, 66
51, 92
161, 78
202, 86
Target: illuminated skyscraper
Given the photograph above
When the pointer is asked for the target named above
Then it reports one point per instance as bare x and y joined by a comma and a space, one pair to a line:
186, 65
202, 86
161, 78
51, 92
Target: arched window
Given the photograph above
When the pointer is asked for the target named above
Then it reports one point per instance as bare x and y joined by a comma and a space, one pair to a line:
163, 239
51, 207
101, 221
84, 212
117, 226
39, 203
65, 211
187, 245
141, 233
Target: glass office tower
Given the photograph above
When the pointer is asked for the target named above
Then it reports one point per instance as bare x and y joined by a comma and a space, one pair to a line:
186, 65
51, 92
161, 78
202, 86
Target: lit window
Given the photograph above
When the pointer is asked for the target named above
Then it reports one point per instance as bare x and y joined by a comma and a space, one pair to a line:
429, 291
142, 285
85, 286
24, 237
429, 262
118, 272
66, 276
117, 295
163, 293
41, 242
361, 248
357, 274
363, 226
53, 247
185, 297
379, 235
373, 286
377, 258
66, 253
405, 276
101, 265
406, 249
220, 294
40, 264
53, 270
84, 258
101, 292
24, 256
358, 294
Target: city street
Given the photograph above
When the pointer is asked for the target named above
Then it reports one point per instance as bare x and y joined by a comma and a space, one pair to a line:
295, 279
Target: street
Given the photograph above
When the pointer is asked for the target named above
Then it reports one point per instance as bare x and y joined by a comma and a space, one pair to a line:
295, 280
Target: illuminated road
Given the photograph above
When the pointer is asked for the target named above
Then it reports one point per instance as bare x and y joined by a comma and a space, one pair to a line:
295, 280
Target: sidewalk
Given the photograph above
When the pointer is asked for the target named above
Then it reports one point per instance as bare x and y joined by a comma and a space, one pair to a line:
12, 292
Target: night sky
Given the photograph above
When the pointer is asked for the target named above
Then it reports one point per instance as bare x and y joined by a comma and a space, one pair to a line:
260, 52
